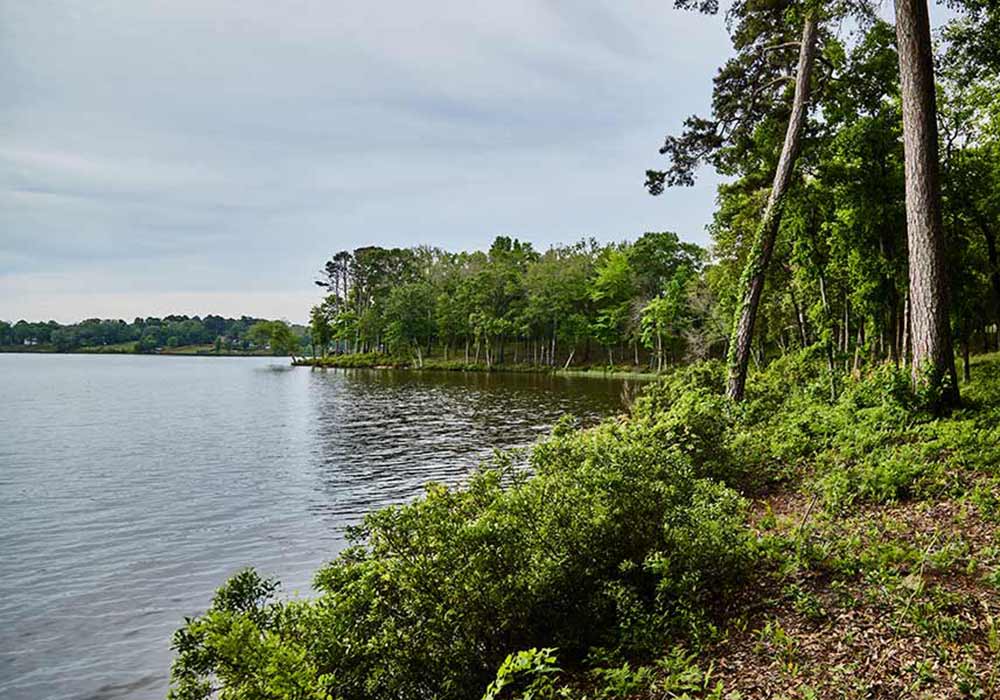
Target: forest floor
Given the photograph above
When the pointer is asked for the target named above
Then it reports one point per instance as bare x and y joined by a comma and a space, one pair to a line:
867, 599
898, 601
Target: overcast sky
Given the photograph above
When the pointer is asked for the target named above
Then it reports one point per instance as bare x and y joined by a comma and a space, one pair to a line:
207, 156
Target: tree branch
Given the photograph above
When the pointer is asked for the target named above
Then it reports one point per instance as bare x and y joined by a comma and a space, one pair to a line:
779, 47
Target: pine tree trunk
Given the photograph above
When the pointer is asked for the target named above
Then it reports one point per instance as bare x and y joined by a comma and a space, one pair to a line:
829, 337
799, 317
760, 255
569, 360
847, 326
552, 351
857, 347
992, 258
966, 341
930, 330
906, 330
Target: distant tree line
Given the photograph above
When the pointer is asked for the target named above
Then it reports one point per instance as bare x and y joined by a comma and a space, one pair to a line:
647, 301
860, 216
148, 334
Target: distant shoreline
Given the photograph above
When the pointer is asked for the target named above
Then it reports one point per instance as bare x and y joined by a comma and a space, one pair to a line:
356, 361
181, 351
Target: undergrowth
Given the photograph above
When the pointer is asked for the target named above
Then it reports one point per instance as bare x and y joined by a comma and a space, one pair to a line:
629, 554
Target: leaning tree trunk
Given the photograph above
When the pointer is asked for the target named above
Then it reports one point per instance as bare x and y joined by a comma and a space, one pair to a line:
933, 358
752, 281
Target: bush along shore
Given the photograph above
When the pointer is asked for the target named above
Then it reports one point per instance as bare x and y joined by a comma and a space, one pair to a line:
787, 546
435, 364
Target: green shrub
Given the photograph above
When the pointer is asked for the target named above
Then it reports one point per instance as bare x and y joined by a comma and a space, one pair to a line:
526, 675
621, 538
614, 532
358, 361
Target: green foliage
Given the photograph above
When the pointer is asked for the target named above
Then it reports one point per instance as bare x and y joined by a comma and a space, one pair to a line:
242, 628
532, 670
616, 542
320, 330
623, 681
275, 335
613, 540
548, 307
410, 317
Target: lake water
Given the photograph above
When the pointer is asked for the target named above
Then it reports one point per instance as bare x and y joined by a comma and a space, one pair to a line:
131, 487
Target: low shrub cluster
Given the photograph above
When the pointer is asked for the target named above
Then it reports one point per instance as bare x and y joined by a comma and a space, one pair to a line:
361, 360
618, 543
615, 538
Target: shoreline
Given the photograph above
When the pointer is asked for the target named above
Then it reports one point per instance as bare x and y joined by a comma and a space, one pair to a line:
370, 362
383, 362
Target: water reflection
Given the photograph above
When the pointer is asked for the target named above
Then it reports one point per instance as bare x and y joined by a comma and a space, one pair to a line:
379, 435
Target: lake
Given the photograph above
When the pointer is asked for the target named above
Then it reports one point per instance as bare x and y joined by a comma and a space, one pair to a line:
132, 486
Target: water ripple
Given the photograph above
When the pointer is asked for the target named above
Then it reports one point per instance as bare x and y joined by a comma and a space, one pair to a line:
131, 487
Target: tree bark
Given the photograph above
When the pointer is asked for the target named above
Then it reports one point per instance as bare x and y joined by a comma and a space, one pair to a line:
859, 343
552, 354
906, 330
930, 329
569, 360
992, 258
800, 319
760, 255
829, 337
966, 341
